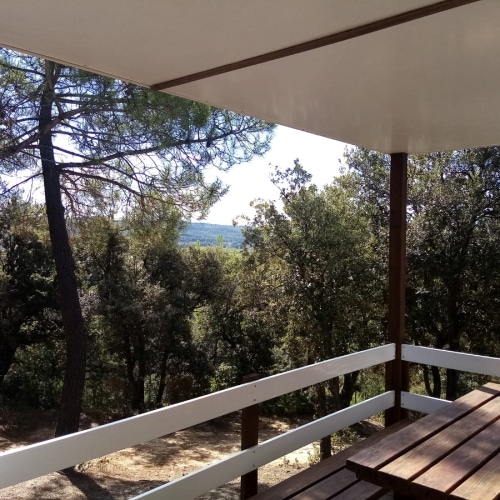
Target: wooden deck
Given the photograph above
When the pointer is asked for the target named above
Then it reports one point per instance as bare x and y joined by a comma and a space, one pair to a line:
330, 479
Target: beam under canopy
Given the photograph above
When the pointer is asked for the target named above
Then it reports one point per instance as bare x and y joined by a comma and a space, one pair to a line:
349, 34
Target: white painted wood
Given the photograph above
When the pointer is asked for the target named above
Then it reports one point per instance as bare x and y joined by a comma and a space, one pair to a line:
284, 383
208, 478
473, 363
42, 458
424, 404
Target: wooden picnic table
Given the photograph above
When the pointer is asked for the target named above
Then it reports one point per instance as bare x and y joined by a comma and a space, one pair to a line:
453, 453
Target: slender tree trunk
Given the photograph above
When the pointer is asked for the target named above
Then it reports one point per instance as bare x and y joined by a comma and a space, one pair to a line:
348, 389
435, 389
320, 404
136, 372
72, 318
141, 378
130, 364
452, 376
7, 353
163, 378
334, 387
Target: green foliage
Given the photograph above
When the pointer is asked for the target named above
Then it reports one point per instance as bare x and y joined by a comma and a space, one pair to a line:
317, 266
234, 327
105, 387
370, 383
343, 439
454, 254
318, 256
289, 405
453, 241
28, 303
225, 376
35, 378
144, 299
166, 323
323, 246
314, 457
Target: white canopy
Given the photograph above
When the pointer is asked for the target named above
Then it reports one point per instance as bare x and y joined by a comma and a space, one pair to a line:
390, 75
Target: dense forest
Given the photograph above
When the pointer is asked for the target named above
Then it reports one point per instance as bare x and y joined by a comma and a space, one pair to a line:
163, 322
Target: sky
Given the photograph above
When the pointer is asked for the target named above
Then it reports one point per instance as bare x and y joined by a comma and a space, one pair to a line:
248, 181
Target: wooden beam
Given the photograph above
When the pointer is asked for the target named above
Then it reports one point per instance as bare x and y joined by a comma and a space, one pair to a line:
332, 39
397, 376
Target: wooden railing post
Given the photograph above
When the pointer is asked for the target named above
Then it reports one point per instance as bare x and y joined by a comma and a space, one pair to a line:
397, 374
249, 438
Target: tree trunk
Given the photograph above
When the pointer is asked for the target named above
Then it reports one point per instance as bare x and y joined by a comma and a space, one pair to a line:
435, 389
141, 376
454, 330
130, 366
348, 389
72, 318
163, 378
334, 387
7, 353
453, 376
321, 410
136, 372
452, 384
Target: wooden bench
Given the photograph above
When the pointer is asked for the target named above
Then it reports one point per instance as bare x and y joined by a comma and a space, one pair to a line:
330, 478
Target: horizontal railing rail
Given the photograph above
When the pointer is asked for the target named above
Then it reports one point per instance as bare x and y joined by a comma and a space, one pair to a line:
421, 403
208, 478
35, 460
473, 363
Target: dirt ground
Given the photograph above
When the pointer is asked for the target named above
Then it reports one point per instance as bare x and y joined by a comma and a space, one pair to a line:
132, 471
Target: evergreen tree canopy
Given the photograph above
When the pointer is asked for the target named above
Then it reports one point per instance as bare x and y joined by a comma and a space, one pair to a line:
115, 142
103, 146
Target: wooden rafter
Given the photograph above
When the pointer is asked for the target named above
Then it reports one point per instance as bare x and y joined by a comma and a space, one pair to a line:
332, 39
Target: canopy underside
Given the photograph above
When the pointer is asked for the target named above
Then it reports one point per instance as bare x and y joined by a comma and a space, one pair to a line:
425, 84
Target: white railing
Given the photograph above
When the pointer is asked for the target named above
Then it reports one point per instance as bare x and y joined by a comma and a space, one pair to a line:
421, 403
208, 478
35, 460
473, 363
32, 461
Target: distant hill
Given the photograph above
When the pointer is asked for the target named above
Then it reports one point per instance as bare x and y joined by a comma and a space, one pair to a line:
207, 234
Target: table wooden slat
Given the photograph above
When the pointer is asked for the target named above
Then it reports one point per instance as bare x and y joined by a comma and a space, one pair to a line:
483, 485
423, 456
460, 464
329, 486
376, 456
362, 489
